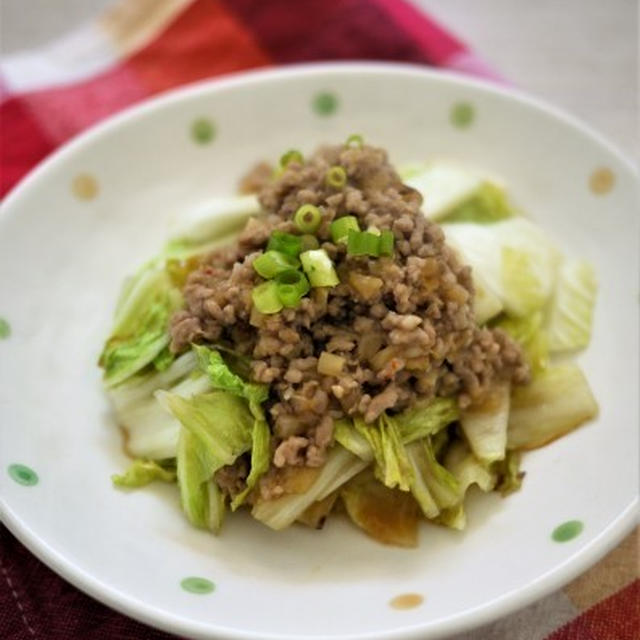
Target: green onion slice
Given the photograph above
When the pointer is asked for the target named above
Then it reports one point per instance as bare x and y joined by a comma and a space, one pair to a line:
265, 297
363, 243
387, 240
340, 228
309, 242
271, 263
308, 218
319, 268
293, 155
336, 177
285, 243
291, 286
354, 140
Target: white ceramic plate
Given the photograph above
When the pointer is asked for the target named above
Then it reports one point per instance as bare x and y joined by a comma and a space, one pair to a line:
97, 208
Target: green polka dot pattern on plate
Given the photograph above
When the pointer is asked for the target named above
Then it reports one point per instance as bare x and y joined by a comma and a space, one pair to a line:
203, 131
23, 475
193, 584
5, 329
462, 115
567, 531
325, 103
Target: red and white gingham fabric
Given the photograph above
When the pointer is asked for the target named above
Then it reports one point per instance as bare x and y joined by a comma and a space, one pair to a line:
142, 47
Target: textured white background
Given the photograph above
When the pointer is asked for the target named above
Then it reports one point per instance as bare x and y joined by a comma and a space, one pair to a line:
581, 55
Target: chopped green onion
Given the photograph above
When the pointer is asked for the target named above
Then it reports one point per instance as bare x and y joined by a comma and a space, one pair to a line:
354, 140
336, 177
387, 240
340, 228
285, 243
319, 268
363, 243
308, 218
293, 155
265, 297
291, 286
271, 263
309, 242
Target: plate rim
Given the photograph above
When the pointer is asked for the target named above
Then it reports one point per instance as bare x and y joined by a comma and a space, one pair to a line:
466, 620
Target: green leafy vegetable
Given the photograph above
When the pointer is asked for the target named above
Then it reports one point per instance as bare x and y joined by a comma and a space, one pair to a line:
515, 259
351, 439
419, 486
487, 204
486, 304
216, 429
201, 500
260, 458
557, 400
163, 360
509, 474
151, 431
215, 224
441, 440
392, 467
221, 422
521, 284
340, 467
572, 309
441, 484
142, 387
454, 193
529, 333
467, 470
485, 427
221, 377
426, 419
389, 433
140, 330
443, 185
143, 472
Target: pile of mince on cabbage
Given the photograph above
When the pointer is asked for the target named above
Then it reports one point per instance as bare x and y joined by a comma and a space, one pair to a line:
188, 416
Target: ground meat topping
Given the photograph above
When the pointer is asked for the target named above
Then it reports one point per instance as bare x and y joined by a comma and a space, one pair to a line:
402, 325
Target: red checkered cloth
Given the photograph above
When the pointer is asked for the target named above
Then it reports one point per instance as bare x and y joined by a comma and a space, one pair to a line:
142, 47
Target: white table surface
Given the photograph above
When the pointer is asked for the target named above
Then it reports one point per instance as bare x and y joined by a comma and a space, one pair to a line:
581, 55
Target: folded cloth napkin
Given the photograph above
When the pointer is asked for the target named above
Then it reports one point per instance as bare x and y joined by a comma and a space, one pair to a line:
142, 47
